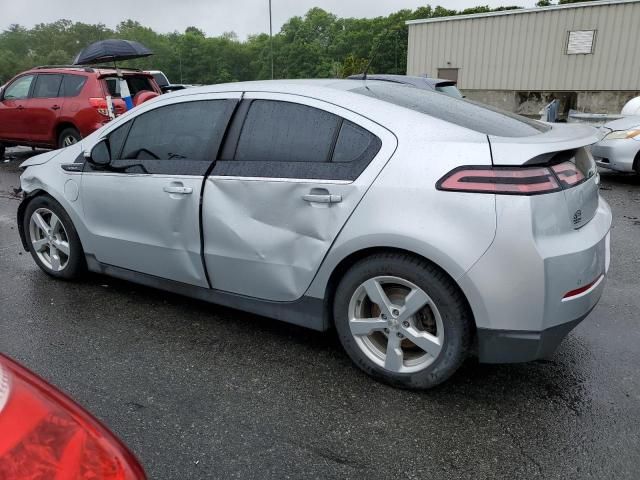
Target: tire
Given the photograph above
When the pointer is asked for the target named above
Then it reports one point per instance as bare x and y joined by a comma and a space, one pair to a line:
68, 137
444, 324
59, 252
3, 150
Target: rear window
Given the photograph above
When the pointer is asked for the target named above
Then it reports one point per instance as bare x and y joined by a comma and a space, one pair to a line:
462, 112
450, 90
136, 84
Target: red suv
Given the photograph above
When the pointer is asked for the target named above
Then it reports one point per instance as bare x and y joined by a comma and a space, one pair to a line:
54, 107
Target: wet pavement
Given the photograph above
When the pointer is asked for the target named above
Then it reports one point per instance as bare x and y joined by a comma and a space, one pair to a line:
201, 391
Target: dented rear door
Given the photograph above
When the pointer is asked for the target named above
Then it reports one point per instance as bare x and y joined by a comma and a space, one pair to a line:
295, 172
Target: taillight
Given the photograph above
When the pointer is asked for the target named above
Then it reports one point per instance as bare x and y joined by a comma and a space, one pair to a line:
500, 180
44, 434
100, 104
568, 174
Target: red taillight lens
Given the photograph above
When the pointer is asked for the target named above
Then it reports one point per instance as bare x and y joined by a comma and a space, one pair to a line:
568, 174
100, 104
500, 180
44, 434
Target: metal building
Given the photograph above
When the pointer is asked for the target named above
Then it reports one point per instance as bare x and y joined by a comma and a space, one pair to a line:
586, 54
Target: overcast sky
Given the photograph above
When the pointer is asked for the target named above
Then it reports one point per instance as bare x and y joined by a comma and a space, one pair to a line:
213, 16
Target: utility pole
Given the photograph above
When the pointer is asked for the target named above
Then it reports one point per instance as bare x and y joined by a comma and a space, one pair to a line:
271, 38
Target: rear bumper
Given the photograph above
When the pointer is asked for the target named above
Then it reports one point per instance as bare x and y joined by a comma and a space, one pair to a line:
516, 346
616, 155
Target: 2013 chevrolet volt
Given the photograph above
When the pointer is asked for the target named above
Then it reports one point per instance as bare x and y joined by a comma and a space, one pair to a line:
423, 227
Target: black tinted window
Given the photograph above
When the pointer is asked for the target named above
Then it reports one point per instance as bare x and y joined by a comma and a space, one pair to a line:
462, 112
353, 143
179, 138
47, 86
286, 132
72, 85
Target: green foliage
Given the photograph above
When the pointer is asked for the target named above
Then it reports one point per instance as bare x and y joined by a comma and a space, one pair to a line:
319, 44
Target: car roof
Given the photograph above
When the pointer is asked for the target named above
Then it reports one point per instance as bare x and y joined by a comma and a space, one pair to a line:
83, 69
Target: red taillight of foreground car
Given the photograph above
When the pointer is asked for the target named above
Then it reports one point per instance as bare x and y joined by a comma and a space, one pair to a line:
45, 434
500, 180
568, 174
585, 288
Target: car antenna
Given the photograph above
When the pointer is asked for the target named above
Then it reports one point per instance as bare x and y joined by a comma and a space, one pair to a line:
373, 54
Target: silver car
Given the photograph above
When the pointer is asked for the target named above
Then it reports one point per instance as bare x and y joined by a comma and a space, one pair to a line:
422, 227
620, 148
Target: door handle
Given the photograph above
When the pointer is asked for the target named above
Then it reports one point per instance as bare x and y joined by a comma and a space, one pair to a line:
20, 107
55, 107
322, 198
178, 190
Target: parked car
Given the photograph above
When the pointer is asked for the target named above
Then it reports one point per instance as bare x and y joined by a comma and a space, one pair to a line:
418, 224
45, 434
163, 82
448, 87
620, 147
53, 107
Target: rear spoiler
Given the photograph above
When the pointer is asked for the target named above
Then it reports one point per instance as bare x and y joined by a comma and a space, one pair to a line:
539, 148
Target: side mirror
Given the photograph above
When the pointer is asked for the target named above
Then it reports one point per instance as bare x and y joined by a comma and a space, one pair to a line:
99, 156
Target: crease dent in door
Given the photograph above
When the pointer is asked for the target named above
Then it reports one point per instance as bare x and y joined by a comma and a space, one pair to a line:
285, 235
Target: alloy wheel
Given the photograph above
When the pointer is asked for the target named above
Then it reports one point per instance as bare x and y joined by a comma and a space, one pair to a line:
396, 324
49, 239
69, 140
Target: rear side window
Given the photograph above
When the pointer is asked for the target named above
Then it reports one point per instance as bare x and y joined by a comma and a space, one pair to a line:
19, 89
175, 139
286, 132
462, 112
135, 83
47, 86
289, 140
72, 85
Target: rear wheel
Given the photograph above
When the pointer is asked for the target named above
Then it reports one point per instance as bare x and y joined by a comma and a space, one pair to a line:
402, 320
68, 137
3, 150
53, 240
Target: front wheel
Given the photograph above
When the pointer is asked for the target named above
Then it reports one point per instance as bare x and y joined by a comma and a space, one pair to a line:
53, 241
402, 320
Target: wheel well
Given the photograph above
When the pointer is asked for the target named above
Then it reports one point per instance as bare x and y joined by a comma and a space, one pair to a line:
355, 257
61, 126
636, 163
20, 216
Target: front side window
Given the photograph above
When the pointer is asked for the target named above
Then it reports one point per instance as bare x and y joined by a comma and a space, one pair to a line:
178, 139
47, 86
289, 140
19, 89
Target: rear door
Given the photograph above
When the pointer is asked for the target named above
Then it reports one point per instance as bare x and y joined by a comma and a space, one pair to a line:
43, 109
291, 173
12, 107
143, 211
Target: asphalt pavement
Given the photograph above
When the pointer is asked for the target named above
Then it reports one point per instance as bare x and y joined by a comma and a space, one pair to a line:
201, 391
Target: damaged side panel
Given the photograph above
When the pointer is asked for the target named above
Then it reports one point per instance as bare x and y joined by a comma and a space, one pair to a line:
262, 239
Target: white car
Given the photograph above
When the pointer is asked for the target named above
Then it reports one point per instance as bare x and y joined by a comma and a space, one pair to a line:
418, 225
620, 148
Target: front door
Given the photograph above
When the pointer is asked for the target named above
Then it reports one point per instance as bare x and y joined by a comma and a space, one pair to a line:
292, 171
12, 108
42, 110
142, 212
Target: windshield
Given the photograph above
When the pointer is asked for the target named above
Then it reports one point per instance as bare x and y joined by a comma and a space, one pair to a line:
462, 112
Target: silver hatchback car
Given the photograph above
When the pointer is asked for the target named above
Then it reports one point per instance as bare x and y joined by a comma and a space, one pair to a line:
423, 227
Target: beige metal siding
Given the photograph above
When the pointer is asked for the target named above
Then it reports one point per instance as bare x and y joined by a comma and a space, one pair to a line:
527, 51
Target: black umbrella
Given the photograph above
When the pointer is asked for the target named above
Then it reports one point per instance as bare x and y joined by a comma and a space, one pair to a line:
111, 51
